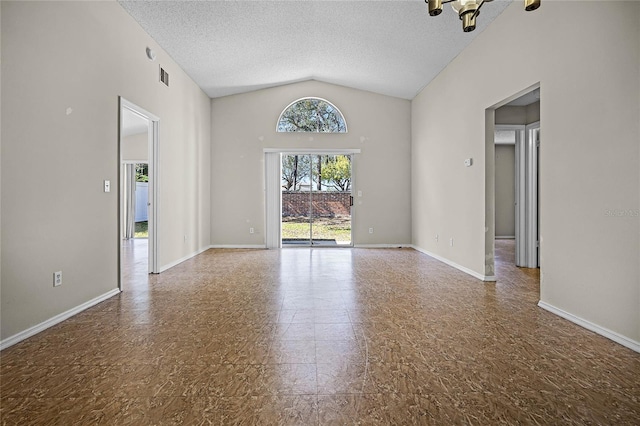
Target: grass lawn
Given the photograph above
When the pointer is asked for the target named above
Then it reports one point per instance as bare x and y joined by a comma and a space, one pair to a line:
338, 228
142, 230
296, 228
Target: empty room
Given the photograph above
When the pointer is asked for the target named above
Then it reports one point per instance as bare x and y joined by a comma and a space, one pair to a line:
320, 212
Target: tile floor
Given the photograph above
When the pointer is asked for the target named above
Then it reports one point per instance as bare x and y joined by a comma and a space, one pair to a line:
320, 337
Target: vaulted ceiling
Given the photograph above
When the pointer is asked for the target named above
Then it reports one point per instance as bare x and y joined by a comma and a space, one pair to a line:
389, 47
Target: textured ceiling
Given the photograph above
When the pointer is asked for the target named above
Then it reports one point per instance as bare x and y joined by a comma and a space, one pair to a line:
390, 47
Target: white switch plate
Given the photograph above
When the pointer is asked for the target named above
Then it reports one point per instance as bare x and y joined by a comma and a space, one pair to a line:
371, 230
468, 162
107, 186
359, 193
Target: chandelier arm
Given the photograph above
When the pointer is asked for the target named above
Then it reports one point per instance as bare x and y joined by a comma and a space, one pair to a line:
477, 11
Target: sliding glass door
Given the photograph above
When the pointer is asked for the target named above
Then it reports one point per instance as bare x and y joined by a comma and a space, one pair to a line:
316, 200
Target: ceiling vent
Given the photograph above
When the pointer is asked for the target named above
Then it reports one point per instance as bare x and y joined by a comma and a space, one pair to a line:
164, 76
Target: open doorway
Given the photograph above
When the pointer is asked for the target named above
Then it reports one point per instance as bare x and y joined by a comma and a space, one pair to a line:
136, 196
517, 144
316, 200
137, 193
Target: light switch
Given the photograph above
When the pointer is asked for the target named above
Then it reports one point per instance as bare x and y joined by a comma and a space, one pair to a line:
107, 186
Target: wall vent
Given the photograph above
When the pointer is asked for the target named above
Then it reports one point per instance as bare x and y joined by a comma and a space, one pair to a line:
164, 76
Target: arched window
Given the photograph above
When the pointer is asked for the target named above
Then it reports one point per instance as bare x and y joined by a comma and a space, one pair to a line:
311, 115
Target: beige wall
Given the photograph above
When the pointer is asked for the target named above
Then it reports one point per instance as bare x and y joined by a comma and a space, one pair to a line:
505, 191
83, 55
244, 125
588, 72
0, 165
135, 147
518, 114
532, 113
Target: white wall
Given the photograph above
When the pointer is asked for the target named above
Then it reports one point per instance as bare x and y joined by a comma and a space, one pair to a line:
82, 56
135, 147
244, 125
142, 201
587, 61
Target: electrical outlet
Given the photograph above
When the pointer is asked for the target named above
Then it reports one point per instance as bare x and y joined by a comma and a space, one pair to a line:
57, 278
436, 238
451, 242
251, 230
371, 230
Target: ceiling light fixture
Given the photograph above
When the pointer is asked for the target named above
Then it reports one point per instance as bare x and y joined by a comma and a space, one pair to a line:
467, 10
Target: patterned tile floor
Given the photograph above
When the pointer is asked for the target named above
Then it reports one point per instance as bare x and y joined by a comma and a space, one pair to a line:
320, 337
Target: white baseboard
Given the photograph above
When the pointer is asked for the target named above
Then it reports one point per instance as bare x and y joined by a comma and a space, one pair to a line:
187, 257
16, 338
505, 237
238, 246
455, 265
612, 335
382, 246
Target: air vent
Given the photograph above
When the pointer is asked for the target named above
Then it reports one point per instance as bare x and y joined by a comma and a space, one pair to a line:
164, 76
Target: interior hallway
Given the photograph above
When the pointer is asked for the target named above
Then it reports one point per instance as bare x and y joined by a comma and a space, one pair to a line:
321, 336
135, 264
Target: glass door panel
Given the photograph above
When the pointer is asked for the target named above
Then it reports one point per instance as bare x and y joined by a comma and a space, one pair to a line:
331, 200
316, 200
296, 201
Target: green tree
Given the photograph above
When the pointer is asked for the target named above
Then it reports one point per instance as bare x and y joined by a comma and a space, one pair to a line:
308, 115
336, 172
142, 172
312, 115
295, 169
319, 173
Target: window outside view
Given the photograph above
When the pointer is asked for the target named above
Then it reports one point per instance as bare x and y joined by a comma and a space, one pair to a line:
316, 189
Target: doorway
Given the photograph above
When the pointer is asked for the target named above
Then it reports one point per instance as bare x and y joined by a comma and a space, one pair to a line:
135, 197
316, 200
137, 192
516, 168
